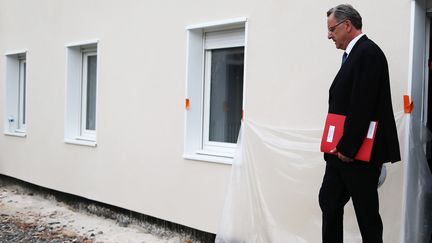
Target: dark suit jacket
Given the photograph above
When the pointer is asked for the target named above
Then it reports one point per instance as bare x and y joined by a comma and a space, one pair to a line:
361, 92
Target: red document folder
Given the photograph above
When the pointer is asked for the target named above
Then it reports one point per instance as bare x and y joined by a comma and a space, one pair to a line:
333, 131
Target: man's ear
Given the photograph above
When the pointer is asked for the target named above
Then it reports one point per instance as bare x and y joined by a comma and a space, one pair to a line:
349, 26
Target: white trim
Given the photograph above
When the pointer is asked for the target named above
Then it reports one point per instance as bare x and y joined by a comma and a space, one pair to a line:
22, 83
81, 142
407, 129
244, 68
406, 164
15, 134
84, 85
220, 23
211, 147
20, 131
229, 38
209, 158
411, 48
24, 51
85, 138
206, 98
13, 92
73, 131
216, 153
82, 43
195, 87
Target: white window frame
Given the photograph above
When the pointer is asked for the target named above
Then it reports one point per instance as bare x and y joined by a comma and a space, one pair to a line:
197, 146
76, 93
85, 133
207, 145
22, 62
16, 80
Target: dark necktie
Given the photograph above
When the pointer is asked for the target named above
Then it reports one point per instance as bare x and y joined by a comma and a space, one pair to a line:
344, 57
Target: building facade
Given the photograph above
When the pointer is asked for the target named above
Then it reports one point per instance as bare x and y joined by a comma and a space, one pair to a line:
138, 104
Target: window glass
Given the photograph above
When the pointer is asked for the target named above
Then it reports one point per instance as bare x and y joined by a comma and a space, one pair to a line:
91, 93
24, 94
226, 94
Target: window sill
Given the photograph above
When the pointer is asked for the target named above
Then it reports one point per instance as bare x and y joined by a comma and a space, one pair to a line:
210, 157
81, 142
16, 134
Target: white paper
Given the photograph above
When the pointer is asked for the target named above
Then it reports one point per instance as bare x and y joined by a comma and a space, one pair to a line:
371, 130
330, 134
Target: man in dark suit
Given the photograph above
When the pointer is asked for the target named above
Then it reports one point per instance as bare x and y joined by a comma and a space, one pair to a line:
361, 92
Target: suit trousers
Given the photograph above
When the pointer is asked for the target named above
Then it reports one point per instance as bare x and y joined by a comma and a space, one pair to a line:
357, 181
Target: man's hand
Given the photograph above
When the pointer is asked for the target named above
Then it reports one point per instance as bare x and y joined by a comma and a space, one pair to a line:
341, 156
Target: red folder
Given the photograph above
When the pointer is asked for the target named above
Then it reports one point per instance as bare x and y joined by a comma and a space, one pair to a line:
333, 131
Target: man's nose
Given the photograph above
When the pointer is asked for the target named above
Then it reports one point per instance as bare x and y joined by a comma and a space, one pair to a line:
329, 35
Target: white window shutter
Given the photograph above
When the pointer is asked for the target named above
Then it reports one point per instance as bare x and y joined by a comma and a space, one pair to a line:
224, 39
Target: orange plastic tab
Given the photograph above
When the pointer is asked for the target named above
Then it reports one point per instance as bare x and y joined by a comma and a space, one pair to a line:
187, 104
408, 106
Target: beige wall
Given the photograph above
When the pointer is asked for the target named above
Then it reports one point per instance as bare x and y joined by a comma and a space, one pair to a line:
138, 162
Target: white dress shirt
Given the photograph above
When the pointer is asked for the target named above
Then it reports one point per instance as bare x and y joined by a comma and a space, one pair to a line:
352, 43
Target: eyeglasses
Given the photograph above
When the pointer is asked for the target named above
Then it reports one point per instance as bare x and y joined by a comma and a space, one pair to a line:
333, 28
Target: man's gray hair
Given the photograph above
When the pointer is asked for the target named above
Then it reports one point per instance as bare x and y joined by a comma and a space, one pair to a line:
346, 12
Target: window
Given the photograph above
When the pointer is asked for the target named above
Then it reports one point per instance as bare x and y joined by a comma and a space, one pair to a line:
81, 94
16, 75
88, 95
223, 97
216, 57
22, 94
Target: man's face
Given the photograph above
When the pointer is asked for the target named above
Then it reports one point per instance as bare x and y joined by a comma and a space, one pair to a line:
338, 32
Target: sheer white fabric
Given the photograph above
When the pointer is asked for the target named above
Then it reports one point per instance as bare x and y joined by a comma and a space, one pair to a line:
274, 186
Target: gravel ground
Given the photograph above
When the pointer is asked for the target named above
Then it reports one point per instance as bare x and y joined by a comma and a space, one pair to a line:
28, 217
13, 229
